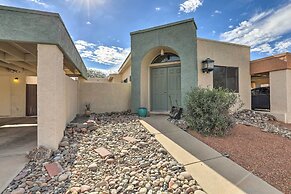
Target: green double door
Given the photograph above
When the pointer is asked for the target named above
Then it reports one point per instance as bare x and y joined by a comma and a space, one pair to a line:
165, 88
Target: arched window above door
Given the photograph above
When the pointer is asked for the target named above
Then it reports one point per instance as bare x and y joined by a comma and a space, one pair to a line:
166, 58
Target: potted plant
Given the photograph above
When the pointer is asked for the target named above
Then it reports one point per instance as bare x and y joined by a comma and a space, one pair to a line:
87, 110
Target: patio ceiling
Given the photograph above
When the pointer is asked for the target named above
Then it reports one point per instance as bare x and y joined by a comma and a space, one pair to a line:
23, 56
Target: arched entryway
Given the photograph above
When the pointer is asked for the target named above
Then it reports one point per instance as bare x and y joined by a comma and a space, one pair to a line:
165, 82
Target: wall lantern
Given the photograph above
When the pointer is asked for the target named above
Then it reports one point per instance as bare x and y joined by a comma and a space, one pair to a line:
207, 65
16, 80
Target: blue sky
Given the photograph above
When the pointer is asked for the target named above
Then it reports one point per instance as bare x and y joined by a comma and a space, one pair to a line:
100, 28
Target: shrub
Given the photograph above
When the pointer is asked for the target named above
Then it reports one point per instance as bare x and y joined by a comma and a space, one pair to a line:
208, 110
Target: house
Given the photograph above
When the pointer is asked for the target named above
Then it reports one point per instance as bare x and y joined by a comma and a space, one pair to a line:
275, 72
37, 59
167, 61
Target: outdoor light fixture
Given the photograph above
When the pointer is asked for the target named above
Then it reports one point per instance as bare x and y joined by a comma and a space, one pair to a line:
207, 65
16, 80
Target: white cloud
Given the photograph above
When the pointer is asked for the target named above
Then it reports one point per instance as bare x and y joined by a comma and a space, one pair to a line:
190, 5
262, 30
213, 32
108, 55
39, 2
158, 9
283, 46
231, 26
218, 12
88, 23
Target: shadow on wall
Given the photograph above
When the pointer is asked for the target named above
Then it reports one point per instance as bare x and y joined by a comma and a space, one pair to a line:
105, 97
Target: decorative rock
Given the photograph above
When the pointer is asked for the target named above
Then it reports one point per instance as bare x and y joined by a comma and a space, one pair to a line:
75, 189
103, 152
101, 184
162, 150
186, 175
64, 144
85, 188
84, 130
199, 192
63, 177
53, 169
143, 190
18, 191
110, 161
93, 166
174, 186
130, 139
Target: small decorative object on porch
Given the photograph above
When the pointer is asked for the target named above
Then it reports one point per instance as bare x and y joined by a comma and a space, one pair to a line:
207, 65
142, 112
87, 110
176, 111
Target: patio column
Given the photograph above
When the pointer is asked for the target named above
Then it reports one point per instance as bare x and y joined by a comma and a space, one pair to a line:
280, 95
51, 96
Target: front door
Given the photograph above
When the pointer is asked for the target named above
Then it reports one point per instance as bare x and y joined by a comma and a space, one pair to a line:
165, 88
31, 100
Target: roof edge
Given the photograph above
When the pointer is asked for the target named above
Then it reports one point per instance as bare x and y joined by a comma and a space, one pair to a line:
164, 26
25, 10
272, 56
223, 42
50, 14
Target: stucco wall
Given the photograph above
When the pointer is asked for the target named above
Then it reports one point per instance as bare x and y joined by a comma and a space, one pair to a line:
104, 97
226, 54
51, 98
126, 74
71, 98
280, 92
12, 94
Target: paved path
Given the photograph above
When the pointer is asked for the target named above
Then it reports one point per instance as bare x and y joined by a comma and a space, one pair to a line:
17, 136
234, 173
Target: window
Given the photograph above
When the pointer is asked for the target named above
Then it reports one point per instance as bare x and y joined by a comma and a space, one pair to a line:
167, 57
226, 77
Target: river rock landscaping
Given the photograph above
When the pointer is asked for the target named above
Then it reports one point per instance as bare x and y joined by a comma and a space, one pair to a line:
109, 153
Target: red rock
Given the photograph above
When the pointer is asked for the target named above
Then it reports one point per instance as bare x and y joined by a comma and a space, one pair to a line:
53, 169
103, 152
130, 139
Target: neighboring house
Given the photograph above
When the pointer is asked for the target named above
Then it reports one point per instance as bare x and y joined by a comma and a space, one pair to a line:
166, 62
275, 72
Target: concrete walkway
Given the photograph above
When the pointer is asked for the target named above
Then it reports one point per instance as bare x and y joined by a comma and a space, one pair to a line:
17, 136
237, 175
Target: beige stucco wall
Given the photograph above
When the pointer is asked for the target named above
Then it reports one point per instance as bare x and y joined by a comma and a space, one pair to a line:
104, 97
31, 80
12, 94
51, 98
71, 98
226, 54
126, 74
280, 92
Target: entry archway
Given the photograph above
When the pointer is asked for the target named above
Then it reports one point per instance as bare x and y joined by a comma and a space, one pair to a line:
161, 79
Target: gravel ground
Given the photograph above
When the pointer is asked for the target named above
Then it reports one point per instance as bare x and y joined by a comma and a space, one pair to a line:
138, 164
265, 154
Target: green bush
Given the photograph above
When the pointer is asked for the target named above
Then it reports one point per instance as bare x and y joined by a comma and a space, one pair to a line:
208, 110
